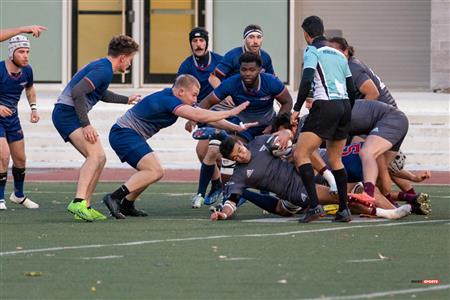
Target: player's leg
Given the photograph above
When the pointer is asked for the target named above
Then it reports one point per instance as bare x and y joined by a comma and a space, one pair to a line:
373, 147
4, 161
207, 170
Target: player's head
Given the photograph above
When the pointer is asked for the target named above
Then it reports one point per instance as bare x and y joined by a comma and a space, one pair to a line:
341, 44
186, 88
253, 38
250, 67
18, 50
198, 40
283, 121
312, 28
234, 149
122, 48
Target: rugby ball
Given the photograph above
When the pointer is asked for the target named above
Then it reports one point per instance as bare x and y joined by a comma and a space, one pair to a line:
274, 147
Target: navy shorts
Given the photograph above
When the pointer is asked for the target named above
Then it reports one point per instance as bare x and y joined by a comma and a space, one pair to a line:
65, 120
129, 146
10, 128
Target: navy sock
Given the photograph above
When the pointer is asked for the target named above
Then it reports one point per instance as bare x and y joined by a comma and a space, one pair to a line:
206, 173
266, 202
120, 193
19, 179
3, 177
341, 182
307, 175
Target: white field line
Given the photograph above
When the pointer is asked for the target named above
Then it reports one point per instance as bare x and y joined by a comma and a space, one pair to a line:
104, 193
384, 294
364, 260
215, 237
103, 257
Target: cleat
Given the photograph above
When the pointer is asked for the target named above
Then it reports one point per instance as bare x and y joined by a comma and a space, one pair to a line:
363, 197
197, 201
96, 215
343, 216
421, 205
132, 212
79, 209
113, 206
213, 197
2, 204
209, 133
25, 201
312, 214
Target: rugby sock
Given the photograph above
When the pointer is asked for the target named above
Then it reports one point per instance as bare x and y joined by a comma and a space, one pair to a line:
307, 175
340, 177
216, 184
3, 177
388, 196
265, 202
77, 200
369, 188
19, 179
411, 191
206, 173
402, 196
120, 193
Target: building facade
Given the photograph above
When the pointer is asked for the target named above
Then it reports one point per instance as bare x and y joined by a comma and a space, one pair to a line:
406, 42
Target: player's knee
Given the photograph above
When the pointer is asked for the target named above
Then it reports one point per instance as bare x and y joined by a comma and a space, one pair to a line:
366, 153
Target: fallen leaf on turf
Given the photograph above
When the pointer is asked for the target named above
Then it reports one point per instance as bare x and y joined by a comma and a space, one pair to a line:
32, 274
282, 281
382, 257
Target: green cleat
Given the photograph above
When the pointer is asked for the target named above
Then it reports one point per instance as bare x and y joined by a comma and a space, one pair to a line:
80, 209
96, 215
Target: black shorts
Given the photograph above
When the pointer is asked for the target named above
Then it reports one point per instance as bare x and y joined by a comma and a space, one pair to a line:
329, 119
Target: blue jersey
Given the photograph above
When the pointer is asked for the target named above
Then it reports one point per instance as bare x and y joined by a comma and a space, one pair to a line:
98, 73
152, 113
11, 87
351, 160
190, 66
261, 99
230, 66
331, 70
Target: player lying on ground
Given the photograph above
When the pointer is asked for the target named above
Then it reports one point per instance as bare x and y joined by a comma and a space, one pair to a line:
258, 168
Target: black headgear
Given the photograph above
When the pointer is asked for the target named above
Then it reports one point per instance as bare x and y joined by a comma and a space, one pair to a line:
199, 32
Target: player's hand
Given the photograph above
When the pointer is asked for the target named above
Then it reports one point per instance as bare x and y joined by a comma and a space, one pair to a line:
425, 175
90, 134
218, 215
36, 30
34, 116
284, 136
236, 110
5, 111
245, 126
228, 101
189, 126
267, 130
294, 118
133, 99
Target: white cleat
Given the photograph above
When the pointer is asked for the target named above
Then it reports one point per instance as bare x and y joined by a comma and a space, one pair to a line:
2, 204
198, 201
25, 201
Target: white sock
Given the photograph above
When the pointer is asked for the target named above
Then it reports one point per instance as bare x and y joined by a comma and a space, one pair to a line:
395, 213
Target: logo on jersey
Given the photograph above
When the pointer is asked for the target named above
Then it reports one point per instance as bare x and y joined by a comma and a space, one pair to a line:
375, 130
249, 173
24, 83
265, 98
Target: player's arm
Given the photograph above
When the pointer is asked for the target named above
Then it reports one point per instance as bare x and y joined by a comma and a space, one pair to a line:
369, 90
10, 32
303, 90
224, 124
209, 101
405, 174
30, 92
229, 207
351, 91
111, 97
79, 92
206, 116
285, 100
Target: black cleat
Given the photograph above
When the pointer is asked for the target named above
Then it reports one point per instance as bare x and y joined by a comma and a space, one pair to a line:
113, 206
132, 212
312, 214
343, 216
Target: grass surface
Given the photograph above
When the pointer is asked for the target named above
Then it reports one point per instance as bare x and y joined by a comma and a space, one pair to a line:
180, 254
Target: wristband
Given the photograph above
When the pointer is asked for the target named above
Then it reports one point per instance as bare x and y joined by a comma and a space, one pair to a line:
33, 106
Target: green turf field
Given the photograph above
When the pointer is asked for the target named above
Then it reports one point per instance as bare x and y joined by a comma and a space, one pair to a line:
177, 253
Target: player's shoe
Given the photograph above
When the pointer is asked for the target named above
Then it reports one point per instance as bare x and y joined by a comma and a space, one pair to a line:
312, 214
2, 204
209, 133
421, 205
113, 206
213, 197
132, 211
25, 201
80, 209
197, 201
363, 197
343, 216
96, 215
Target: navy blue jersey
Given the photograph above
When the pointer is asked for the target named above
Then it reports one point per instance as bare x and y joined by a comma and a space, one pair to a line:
11, 87
351, 160
98, 73
151, 114
230, 66
261, 99
190, 66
